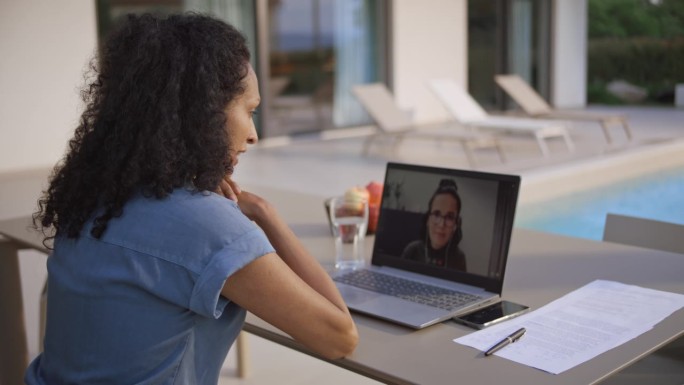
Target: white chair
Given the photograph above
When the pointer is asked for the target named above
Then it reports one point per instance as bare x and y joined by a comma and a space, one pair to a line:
535, 106
643, 232
666, 363
467, 112
393, 122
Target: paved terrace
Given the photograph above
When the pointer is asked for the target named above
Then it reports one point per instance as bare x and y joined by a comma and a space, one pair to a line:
329, 166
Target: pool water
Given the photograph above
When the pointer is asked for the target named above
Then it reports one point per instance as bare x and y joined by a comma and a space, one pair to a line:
658, 196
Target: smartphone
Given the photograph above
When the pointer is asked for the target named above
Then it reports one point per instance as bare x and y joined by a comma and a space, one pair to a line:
492, 314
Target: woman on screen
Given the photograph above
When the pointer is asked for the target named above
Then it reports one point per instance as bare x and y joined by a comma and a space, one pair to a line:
441, 233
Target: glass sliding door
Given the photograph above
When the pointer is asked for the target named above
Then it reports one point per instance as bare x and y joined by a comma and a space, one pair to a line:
507, 36
485, 50
308, 54
301, 63
528, 38
315, 51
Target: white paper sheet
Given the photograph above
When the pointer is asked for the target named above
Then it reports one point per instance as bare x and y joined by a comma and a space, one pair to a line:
580, 325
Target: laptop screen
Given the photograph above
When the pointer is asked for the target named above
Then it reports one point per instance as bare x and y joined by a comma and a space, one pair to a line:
446, 223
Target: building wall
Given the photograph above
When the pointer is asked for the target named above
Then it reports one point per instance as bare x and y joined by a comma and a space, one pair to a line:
429, 41
569, 54
45, 48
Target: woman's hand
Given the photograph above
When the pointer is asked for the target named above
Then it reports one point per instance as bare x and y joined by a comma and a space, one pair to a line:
229, 188
253, 206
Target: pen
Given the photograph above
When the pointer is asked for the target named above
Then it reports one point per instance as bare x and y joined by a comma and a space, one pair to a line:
506, 341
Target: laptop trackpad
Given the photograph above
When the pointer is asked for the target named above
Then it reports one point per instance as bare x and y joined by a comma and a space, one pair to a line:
355, 297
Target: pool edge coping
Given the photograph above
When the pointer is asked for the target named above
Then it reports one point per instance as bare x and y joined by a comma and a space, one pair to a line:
551, 182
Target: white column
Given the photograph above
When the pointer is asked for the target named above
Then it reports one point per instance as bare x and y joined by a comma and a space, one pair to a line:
569, 54
430, 40
45, 46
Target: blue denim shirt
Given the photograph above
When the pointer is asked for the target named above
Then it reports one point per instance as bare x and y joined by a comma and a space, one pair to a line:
142, 304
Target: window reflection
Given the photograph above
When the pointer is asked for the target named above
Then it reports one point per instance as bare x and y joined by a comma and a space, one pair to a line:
301, 65
318, 50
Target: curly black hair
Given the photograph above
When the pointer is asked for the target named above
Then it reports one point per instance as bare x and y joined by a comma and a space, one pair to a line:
154, 119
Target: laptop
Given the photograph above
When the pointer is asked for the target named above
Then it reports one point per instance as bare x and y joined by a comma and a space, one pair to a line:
441, 245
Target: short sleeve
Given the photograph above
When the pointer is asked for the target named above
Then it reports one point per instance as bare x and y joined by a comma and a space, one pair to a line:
206, 296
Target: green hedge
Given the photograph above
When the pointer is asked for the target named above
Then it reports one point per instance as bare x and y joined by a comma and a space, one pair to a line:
655, 64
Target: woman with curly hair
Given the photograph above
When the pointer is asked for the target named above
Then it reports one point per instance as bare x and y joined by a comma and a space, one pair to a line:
157, 251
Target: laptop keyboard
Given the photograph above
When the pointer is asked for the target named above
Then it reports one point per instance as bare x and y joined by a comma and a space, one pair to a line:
406, 289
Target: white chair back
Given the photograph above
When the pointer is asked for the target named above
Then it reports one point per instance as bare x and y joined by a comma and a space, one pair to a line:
378, 101
457, 101
643, 232
521, 92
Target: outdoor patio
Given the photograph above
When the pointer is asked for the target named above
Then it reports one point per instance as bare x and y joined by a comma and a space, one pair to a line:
326, 165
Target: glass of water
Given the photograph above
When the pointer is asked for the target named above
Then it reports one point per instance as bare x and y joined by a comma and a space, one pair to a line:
349, 220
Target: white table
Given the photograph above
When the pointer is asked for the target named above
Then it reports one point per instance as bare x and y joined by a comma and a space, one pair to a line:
541, 268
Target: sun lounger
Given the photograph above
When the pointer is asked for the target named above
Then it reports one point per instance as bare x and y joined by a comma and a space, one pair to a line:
535, 106
467, 112
395, 123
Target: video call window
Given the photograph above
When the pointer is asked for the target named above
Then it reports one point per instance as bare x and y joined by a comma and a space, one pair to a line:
441, 220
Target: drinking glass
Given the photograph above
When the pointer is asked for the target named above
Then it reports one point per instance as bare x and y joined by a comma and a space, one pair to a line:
349, 221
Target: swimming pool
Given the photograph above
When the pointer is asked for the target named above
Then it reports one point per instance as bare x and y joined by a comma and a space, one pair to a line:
658, 195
